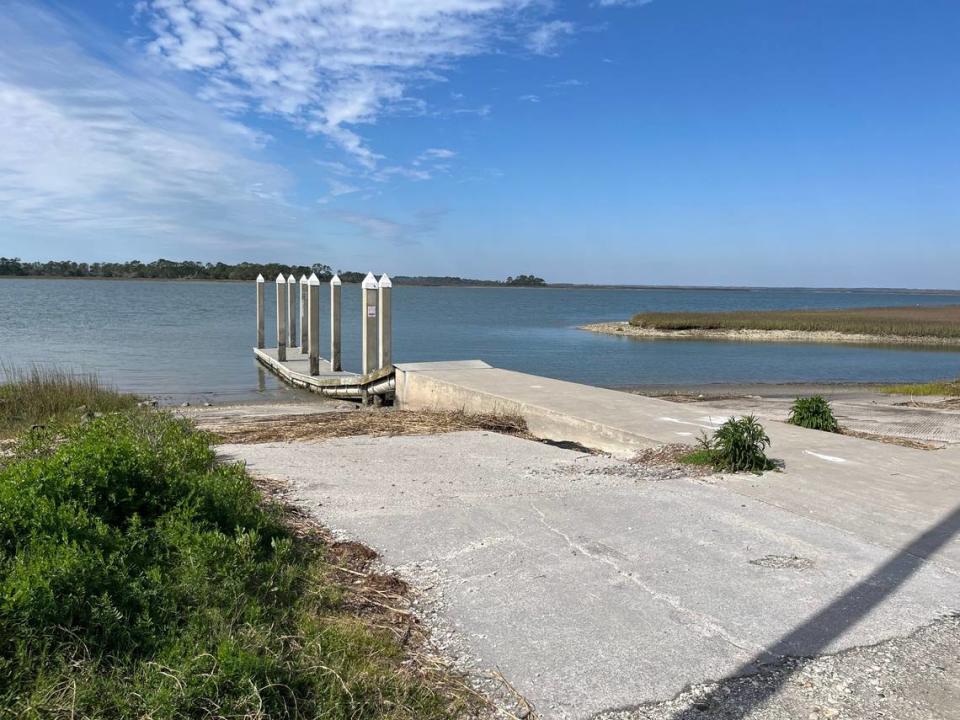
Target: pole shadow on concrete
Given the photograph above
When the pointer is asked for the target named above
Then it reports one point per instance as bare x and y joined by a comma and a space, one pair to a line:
816, 633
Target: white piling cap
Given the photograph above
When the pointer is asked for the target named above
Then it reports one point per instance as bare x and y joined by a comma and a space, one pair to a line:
314, 280
281, 278
385, 282
335, 280
303, 279
292, 278
259, 278
369, 282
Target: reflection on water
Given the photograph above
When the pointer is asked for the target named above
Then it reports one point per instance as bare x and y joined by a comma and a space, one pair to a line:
188, 339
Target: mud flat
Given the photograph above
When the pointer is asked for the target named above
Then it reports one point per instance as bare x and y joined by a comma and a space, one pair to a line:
625, 329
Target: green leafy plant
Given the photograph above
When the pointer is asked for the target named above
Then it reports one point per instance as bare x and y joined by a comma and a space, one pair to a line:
813, 413
739, 445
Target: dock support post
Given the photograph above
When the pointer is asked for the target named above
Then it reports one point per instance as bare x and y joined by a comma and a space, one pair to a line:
292, 312
281, 318
385, 333
304, 316
260, 322
370, 302
335, 287
312, 341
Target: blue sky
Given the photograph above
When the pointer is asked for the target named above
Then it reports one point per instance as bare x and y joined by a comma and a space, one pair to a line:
740, 142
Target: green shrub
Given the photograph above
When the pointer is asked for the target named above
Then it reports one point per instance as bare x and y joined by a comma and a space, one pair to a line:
813, 413
139, 578
739, 445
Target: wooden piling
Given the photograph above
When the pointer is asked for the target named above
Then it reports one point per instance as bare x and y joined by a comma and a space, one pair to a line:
370, 302
260, 320
335, 342
282, 310
385, 327
313, 323
304, 339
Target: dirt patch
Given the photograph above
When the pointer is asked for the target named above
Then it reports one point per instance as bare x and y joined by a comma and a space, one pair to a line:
668, 458
891, 439
779, 562
326, 425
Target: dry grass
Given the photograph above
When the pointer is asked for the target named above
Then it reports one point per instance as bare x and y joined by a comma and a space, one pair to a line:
44, 395
947, 388
322, 426
914, 322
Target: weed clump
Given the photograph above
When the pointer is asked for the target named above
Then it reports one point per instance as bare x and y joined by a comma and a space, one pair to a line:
813, 413
739, 445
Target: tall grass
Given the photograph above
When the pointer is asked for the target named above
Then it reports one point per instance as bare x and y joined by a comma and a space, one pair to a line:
933, 322
41, 394
948, 388
139, 578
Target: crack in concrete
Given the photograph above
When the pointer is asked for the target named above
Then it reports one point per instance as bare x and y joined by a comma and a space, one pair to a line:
705, 625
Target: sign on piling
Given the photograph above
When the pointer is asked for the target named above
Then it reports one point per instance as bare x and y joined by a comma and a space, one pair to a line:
335, 288
312, 342
304, 340
292, 309
385, 333
260, 321
370, 302
282, 311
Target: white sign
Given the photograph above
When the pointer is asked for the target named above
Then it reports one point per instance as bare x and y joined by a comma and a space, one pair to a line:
371, 310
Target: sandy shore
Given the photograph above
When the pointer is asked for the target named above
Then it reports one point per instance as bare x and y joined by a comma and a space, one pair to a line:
624, 328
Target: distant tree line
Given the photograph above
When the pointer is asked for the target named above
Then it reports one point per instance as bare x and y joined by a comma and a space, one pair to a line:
192, 270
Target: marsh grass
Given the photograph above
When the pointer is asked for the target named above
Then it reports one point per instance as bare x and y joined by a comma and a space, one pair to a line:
139, 577
948, 388
912, 322
49, 395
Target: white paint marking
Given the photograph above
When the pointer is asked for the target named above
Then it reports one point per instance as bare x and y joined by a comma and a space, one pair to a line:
684, 434
684, 422
828, 458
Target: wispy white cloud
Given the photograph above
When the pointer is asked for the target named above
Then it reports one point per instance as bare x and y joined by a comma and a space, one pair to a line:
332, 66
376, 227
546, 39
96, 148
530, 98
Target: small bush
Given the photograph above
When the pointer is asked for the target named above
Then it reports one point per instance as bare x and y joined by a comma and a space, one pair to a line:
813, 413
739, 445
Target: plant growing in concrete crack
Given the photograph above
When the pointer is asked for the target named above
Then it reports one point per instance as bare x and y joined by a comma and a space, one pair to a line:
814, 413
736, 446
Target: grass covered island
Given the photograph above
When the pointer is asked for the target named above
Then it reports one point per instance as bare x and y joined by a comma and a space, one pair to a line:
934, 325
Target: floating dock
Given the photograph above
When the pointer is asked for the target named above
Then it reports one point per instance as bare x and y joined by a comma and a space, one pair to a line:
295, 370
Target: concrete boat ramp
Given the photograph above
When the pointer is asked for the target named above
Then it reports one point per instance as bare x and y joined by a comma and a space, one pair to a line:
597, 586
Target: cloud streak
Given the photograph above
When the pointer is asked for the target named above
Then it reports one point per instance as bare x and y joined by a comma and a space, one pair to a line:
90, 148
330, 66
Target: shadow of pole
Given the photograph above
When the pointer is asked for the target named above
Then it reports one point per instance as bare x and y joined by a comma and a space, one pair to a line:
816, 633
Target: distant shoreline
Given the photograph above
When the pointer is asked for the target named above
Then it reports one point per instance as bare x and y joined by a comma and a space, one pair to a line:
625, 329
549, 286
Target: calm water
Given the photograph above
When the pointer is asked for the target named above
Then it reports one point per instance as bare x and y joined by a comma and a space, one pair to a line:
187, 340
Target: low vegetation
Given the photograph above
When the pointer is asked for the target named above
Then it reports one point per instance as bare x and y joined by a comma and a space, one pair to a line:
814, 413
42, 395
932, 322
141, 578
948, 388
739, 445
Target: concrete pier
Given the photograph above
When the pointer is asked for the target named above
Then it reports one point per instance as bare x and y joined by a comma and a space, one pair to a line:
281, 317
385, 326
304, 340
335, 327
292, 310
370, 303
260, 319
313, 324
